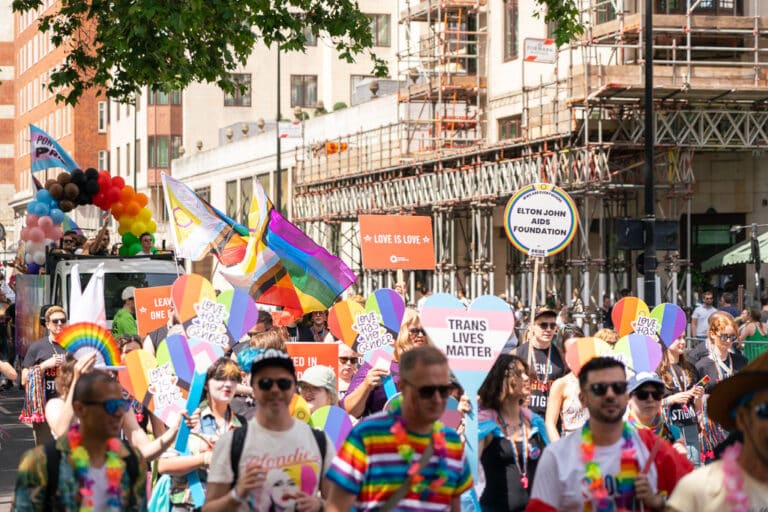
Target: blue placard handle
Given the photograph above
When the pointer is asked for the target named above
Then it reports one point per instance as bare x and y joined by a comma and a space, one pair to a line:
182, 438
389, 386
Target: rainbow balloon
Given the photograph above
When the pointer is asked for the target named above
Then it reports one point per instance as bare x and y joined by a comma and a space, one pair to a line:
84, 337
625, 312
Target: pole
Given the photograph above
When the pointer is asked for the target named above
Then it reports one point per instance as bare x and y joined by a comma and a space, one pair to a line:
756, 258
278, 177
649, 264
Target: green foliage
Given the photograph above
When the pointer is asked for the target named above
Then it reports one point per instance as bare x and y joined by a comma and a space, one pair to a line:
124, 45
565, 15
339, 105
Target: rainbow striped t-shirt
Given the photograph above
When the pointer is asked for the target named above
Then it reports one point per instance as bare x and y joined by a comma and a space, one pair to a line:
369, 466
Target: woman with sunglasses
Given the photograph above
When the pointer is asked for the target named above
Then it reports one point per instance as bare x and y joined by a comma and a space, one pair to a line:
721, 361
366, 394
510, 441
644, 412
216, 418
348, 361
564, 407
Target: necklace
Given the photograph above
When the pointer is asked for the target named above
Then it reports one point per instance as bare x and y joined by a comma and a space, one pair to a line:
521, 459
114, 471
625, 479
723, 370
657, 425
406, 451
733, 480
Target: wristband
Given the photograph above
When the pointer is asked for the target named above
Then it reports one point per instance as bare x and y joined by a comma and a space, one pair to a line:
233, 494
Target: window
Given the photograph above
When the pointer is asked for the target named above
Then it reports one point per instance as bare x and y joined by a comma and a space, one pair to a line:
162, 151
240, 97
246, 188
510, 30
509, 127
157, 151
161, 98
380, 29
303, 90
103, 161
102, 124
204, 193
117, 161
175, 97
232, 199
150, 152
175, 145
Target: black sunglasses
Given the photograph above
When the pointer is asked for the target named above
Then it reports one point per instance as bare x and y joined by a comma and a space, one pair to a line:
58, 320
761, 411
266, 383
547, 325
113, 405
416, 330
601, 388
643, 394
427, 392
348, 360
728, 337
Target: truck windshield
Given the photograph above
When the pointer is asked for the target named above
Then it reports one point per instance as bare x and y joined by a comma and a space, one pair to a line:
115, 283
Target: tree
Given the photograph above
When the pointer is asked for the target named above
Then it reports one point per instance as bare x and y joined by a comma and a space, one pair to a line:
121, 46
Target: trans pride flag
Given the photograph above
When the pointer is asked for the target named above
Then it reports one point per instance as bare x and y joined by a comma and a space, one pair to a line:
46, 152
283, 266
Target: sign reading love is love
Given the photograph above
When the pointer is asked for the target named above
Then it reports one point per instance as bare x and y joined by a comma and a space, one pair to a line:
631, 315
472, 339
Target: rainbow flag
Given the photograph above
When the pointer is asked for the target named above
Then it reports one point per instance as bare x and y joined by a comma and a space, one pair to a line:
283, 266
198, 228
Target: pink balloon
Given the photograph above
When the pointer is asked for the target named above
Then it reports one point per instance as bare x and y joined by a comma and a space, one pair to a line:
31, 220
25, 234
36, 234
57, 233
45, 222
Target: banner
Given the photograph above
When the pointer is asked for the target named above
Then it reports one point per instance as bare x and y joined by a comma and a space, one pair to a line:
153, 308
397, 242
306, 355
45, 152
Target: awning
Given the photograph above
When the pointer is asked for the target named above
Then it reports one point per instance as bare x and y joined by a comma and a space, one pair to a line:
737, 255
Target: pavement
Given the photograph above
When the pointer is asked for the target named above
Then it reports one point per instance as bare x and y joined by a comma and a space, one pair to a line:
15, 439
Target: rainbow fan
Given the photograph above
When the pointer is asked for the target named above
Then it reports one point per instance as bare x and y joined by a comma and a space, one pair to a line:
84, 337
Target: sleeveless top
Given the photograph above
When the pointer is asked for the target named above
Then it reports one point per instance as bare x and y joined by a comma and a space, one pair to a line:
573, 414
503, 488
756, 336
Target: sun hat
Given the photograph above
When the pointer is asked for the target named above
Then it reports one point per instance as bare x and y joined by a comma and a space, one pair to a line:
728, 394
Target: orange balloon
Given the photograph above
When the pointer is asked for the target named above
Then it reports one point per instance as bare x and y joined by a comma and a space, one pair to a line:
117, 209
142, 199
127, 194
132, 209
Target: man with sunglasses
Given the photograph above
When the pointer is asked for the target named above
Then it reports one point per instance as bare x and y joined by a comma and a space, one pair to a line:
739, 481
605, 465
45, 355
380, 463
274, 443
61, 476
544, 358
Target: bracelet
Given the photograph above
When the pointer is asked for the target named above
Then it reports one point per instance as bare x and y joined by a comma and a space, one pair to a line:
233, 494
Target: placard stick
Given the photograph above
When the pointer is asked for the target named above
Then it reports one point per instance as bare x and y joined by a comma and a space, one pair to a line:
534, 291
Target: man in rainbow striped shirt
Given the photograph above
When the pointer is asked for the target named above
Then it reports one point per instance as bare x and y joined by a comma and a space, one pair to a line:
404, 460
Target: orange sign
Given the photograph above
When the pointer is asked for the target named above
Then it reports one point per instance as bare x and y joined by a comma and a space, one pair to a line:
306, 355
153, 308
391, 242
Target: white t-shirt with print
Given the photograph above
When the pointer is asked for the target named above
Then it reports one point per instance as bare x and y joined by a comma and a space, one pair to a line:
291, 458
704, 491
560, 474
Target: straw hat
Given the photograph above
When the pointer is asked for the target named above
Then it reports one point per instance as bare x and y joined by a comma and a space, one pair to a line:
727, 394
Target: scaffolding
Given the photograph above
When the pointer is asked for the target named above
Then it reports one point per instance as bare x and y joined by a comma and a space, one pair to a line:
583, 130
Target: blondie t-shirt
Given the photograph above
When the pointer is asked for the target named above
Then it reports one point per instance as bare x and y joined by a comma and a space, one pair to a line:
560, 475
291, 459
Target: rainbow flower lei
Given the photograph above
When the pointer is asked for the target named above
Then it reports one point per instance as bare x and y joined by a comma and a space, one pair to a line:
406, 451
114, 471
625, 480
733, 480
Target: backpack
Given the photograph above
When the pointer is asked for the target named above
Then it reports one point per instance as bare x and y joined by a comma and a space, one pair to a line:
238, 441
161, 495
53, 459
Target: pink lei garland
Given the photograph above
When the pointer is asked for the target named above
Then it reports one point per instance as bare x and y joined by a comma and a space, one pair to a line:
733, 480
114, 471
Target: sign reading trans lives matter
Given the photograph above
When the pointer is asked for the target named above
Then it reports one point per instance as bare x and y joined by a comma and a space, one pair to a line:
540, 220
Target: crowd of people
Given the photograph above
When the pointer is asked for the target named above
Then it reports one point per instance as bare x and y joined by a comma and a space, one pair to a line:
691, 436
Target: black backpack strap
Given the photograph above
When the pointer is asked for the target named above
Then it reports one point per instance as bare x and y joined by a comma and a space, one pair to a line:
238, 441
52, 461
322, 444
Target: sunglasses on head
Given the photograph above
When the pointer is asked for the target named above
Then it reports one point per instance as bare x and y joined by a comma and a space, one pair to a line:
643, 394
547, 325
601, 388
416, 330
60, 321
728, 337
266, 383
427, 392
348, 360
761, 411
113, 405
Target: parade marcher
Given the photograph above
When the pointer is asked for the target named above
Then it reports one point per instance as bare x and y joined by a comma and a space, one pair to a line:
146, 244
124, 321
682, 403
216, 418
605, 313
755, 334
365, 394
646, 391
348, 361
564, 406
510, 443
545, 360
739, 481
609, 336
404, 459
721, 361
605, 465
317, 386
726, 304
89, 468
700, 316
317, 330
39, 370
702, 349
272, 445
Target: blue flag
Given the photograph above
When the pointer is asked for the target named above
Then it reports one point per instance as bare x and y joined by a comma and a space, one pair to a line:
46, 152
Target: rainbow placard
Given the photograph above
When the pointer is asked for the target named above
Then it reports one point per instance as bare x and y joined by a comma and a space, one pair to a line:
334, 421
540, 220
341, 318
580, 350
671, 322
626, 312
242, 310
638, 352
390, 308
83, 338
187, 356
187, 292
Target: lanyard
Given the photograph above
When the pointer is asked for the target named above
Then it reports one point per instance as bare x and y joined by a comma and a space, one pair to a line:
521, 458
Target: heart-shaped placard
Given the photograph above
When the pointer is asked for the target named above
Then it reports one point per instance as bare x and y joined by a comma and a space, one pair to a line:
580, 350
299, 408
341, 318
638, 352
389, 307
154, 385
367, 329
186, 356
334, 421
671, 322
242, 310
626, 312
187, 292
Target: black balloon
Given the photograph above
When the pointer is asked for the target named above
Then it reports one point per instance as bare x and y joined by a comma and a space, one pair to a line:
92, 187
91, 173
78, 177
